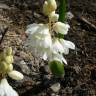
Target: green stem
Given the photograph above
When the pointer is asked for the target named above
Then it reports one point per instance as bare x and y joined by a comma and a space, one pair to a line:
62, 10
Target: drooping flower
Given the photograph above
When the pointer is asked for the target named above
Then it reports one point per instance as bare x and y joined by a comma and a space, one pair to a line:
46, 40
62, 46
39, 40
41, 36
62, 28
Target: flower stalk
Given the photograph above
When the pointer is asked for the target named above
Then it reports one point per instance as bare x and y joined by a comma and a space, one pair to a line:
6, 68
46, 41
62, 10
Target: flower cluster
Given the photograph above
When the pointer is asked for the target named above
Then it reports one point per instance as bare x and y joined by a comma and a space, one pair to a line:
6, 68
44, 40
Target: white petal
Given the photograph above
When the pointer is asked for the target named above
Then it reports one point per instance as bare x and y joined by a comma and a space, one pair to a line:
43, 30
57, 47
32, 28
41, 38
15, 75
6, 89
68, 44
47, 42
62, 28
63, 59
58, 57
45, 56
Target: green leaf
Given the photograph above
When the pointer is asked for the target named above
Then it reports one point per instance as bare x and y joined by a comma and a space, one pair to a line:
57, 68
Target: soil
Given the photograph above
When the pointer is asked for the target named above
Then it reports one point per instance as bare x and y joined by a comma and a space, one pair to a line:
80, 73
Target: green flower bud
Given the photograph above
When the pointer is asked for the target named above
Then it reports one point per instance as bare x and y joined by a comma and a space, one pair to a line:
9, 59
46, 10
8, 51
2, 56
3, 66
57, 67
10, 68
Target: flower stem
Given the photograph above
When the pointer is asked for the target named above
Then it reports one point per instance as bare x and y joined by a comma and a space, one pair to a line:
49, 24
62, 10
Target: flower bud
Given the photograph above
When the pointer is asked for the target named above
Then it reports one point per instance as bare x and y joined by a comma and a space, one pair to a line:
49, 6
45, 8
52, 4
57, 67
3, 66
15, 75
54, 17
2, 56
62, 28
9, 59
9, 51
10, 68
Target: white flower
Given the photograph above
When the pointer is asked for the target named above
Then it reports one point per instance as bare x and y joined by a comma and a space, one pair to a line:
59, 47
39, 36
39, 40
6, 89
66, 45
62, 46
62, 28
15, 75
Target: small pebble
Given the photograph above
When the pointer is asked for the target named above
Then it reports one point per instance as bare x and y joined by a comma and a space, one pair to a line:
44, 69
24, 67
55, 87
53, 94
69, 15
47, 77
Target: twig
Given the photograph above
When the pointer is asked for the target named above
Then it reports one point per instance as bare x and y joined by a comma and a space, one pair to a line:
86, 22
3, 34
